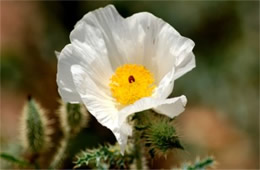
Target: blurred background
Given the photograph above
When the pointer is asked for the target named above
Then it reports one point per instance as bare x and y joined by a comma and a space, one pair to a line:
222, 114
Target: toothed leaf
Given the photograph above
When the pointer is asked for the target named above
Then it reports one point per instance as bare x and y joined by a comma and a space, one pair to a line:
200, 164
104, 157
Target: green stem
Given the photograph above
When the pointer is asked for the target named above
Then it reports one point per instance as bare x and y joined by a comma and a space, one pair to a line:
138, 147
138, 152
61, 154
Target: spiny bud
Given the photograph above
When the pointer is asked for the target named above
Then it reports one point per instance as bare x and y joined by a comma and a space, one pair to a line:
161, 136
73, 118
35, 131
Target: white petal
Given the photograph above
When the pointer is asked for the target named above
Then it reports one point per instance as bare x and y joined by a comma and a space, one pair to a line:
165, 86
91, 56
65, 83
121, 133
96, 63
172, 107
57, 53
164, 47
169, 107
100, 105
120, 41
96, 99
185, 64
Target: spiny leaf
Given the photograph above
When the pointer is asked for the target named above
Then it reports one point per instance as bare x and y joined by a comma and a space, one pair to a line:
14, 160
200, 164
104, 157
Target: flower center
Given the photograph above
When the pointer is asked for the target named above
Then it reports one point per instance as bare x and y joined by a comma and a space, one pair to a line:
130, 83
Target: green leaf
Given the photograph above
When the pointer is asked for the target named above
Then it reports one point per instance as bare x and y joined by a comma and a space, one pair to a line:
200, 164
14, 160
104, 157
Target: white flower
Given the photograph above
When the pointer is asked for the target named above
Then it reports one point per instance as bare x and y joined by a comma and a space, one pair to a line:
119, 66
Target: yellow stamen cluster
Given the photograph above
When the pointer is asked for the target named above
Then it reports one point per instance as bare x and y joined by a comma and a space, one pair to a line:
130, 83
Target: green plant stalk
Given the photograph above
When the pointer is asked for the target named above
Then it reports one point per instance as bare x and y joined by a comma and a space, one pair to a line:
137, 147
62, 153
73, 118
138, 154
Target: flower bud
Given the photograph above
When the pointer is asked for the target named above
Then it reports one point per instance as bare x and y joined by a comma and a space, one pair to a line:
34, 131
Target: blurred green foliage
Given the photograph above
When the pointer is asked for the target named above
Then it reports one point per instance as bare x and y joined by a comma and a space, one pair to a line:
14, 160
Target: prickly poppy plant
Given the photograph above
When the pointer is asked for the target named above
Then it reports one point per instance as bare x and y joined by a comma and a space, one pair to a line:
121, 71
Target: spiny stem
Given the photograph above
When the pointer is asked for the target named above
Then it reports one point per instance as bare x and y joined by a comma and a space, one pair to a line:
138, 153
62, 153
138, 148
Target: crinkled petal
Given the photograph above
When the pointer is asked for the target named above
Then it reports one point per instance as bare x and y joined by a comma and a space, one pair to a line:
97, 66
65, 82
96, 100
99, 104
121, 133
120, 40
169, 107
185, 64
165, 86
164, 47
172, 107
140, 39
82, 54
91, 54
